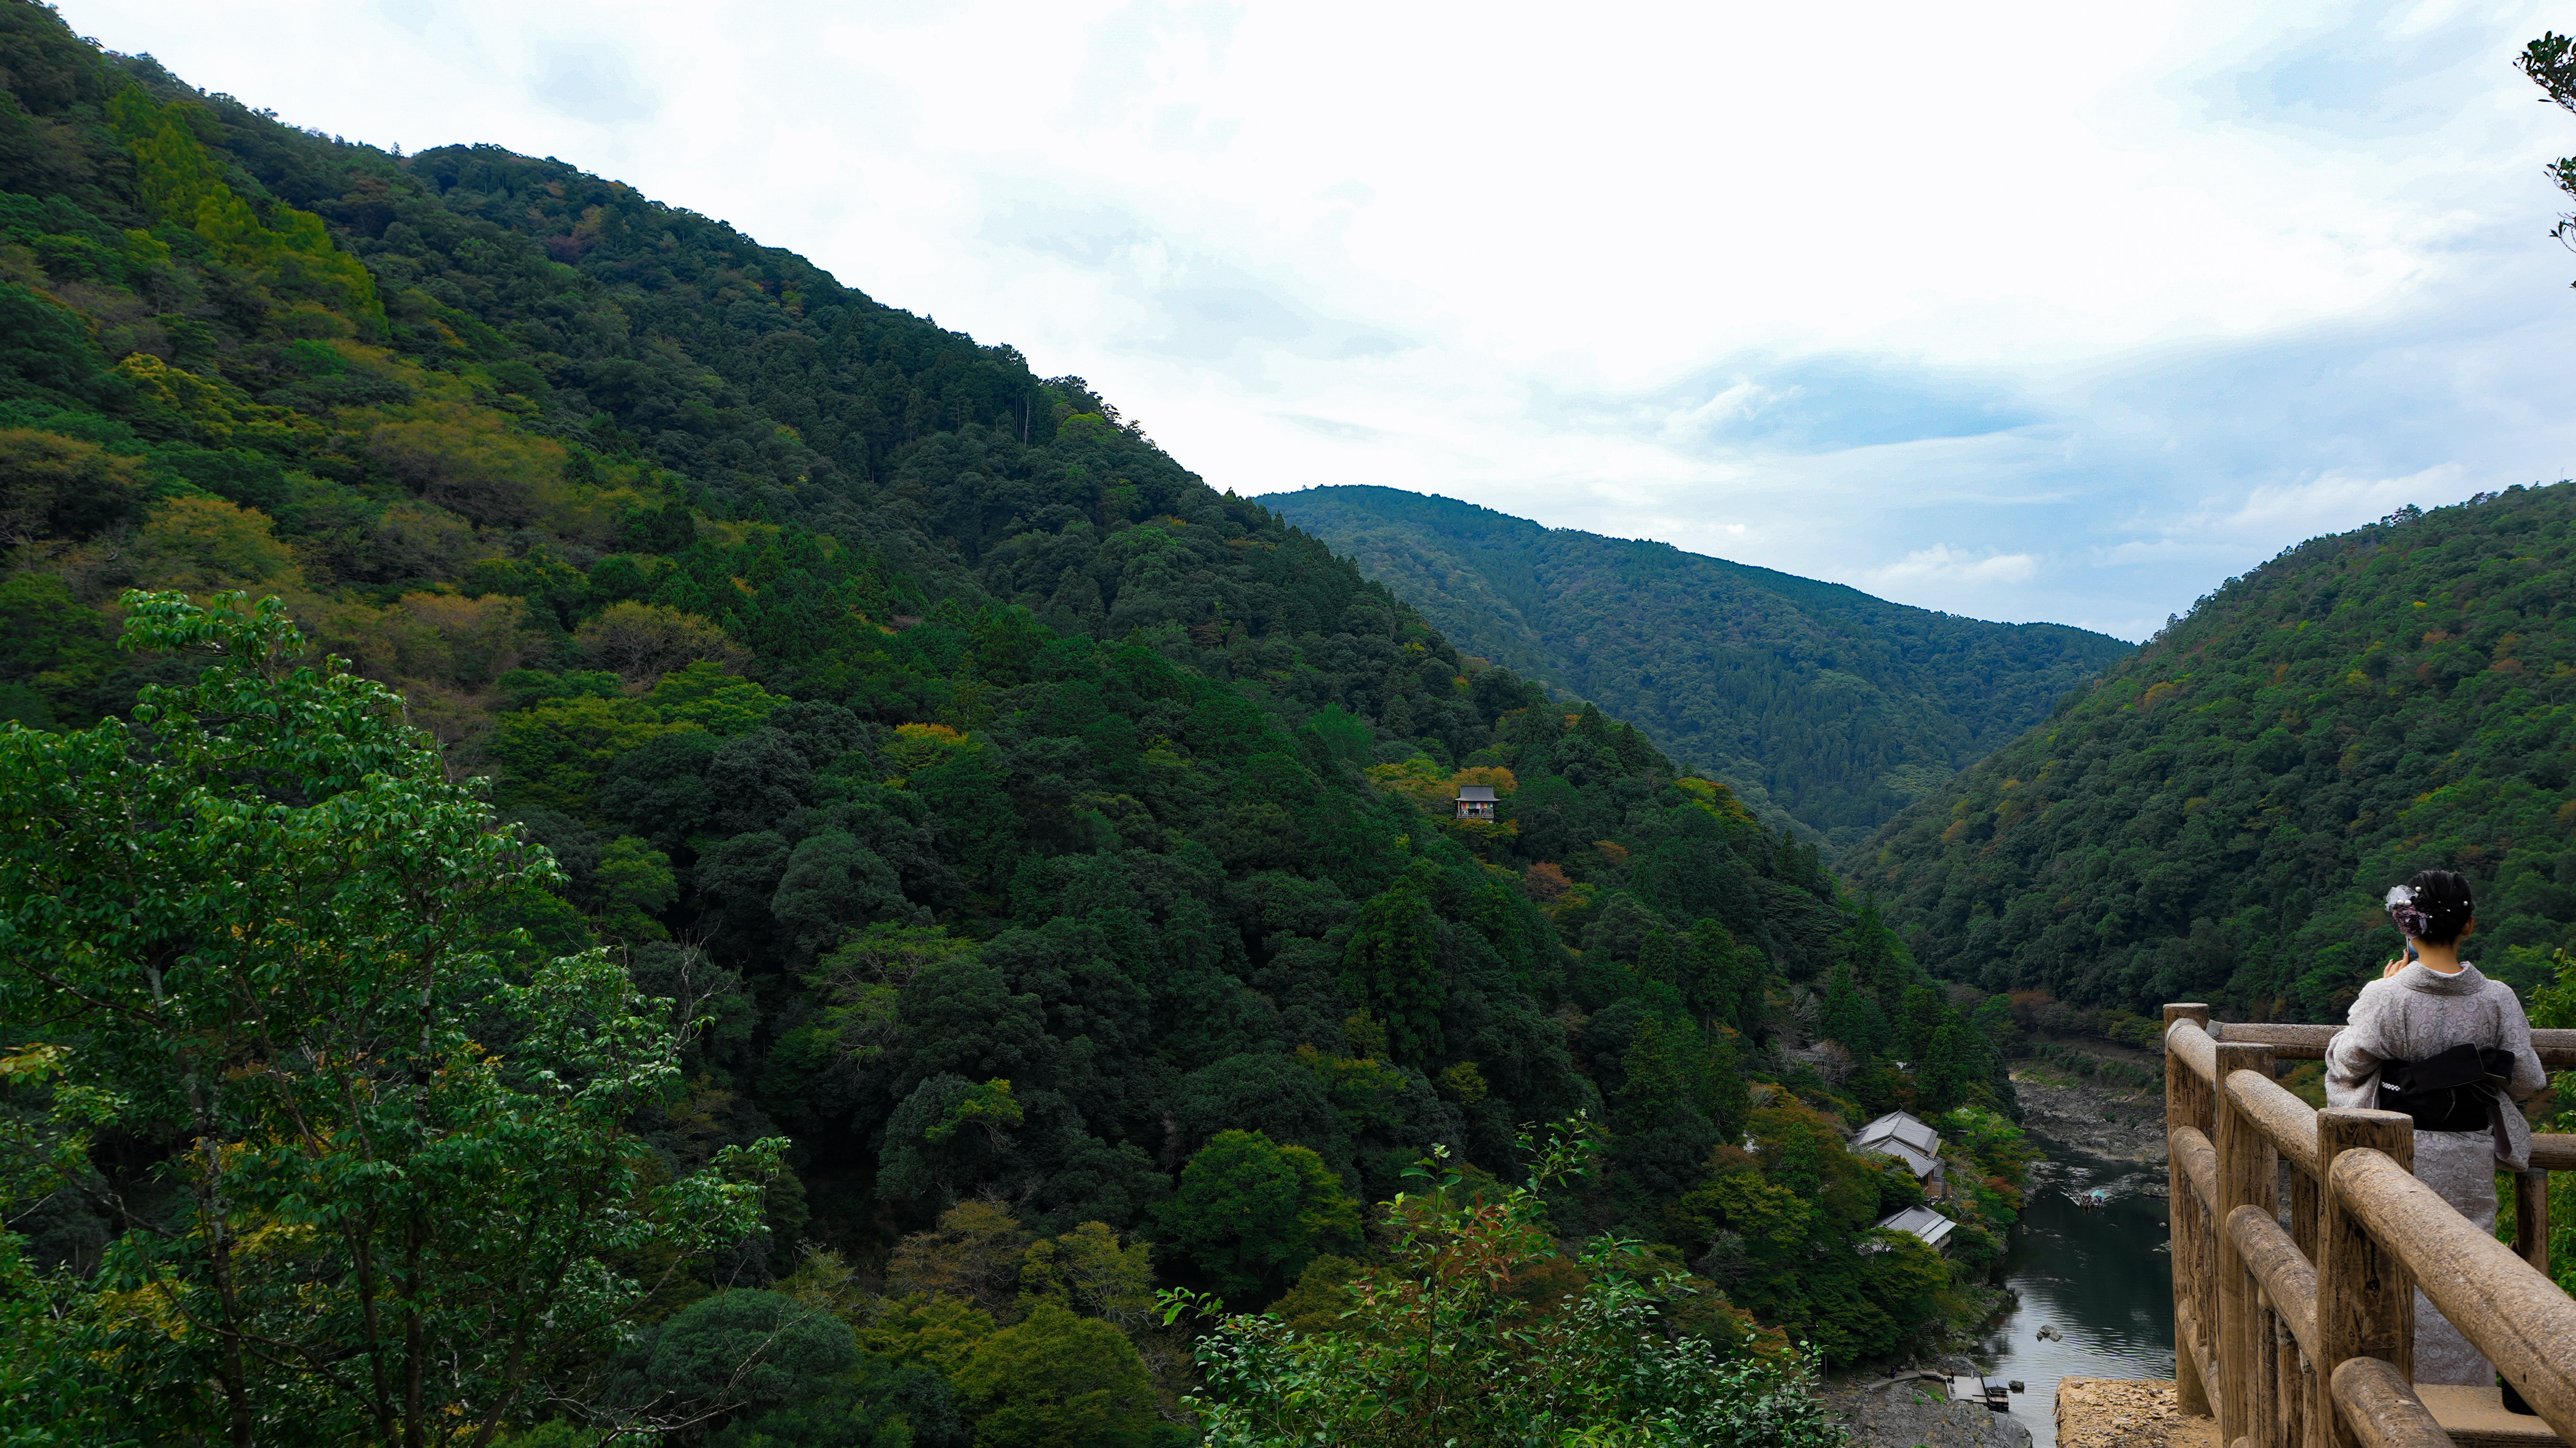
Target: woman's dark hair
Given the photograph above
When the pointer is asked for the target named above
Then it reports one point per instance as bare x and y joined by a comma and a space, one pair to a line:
2433, 906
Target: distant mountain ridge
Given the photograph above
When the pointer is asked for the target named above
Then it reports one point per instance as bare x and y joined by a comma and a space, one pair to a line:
1835, 708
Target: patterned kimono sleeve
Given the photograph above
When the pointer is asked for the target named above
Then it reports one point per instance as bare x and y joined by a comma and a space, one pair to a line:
2528, 1077
2354, 1055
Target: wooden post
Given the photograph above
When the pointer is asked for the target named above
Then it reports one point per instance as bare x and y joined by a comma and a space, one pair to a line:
2531, 1218
2365, 1298
2307, 1196
2303, 1212
2263, 1373
2184, 1106
2289, 1393
2316, 1427
2248, 1176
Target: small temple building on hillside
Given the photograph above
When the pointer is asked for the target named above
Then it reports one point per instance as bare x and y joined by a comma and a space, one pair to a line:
1921, 1222
1901, 1136
1475, 801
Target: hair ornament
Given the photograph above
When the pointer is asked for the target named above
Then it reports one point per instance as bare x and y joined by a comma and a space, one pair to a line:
2402, 909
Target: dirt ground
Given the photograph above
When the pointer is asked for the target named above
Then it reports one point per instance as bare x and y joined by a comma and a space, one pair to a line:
2126, 1413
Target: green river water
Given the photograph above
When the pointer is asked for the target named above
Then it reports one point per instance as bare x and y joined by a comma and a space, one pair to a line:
2102, 1277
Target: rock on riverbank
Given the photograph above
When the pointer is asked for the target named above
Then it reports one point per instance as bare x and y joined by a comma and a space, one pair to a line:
2121, 1123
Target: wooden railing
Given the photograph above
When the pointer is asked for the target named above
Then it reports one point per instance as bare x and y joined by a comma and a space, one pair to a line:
2303, 1337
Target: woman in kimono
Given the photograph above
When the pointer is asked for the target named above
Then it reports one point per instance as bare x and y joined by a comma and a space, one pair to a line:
2427, 1002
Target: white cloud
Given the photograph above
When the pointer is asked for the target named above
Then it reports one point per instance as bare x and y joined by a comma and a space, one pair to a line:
1744, 399
2281, 516
1943, 564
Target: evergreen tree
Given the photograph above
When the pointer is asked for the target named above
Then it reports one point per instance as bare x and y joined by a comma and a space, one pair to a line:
1851, 1017
1252, 1213
1392, 967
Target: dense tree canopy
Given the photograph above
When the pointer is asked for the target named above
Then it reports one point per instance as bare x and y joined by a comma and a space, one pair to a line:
2218, 818
1051, 851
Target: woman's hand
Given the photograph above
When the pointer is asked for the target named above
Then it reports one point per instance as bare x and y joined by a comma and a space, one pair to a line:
2394, 966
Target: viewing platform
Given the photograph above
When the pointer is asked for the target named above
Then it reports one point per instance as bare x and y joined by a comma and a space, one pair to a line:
2294, 1323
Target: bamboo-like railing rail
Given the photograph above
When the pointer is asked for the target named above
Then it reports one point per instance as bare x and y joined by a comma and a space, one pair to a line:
2302, 1337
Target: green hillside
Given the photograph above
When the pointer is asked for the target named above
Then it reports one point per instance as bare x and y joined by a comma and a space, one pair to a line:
2217, 819
1835, 707
988, 874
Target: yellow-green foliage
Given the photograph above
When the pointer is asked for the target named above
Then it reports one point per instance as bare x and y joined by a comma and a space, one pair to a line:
919, 746
51, 484
182, 183
1088, 1271
201, 545
560, 749
936, 1330
1716, 798
1434, 790
705, 695
644, 641
214, 412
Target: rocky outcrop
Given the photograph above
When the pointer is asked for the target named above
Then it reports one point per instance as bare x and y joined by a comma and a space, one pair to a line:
2120, 1123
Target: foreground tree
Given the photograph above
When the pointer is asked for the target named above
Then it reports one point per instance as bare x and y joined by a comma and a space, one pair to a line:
2550, 61
374, 1183
1474, 1330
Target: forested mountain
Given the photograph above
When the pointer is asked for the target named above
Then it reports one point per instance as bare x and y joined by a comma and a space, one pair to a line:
1835, 708
2219, 817
1038, 867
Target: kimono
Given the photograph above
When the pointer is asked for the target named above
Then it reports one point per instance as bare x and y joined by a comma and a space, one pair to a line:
2419, 1012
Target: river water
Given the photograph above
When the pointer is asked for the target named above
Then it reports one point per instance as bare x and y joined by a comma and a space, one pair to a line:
2103, 1278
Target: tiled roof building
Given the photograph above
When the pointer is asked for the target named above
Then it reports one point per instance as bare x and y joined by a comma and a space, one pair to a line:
1921, 1222
1910, 1141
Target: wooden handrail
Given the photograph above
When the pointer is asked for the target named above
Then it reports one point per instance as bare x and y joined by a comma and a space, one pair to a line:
2556, 1048
2289, 1123
2518, 1318
2305, 1338
2193, 1046
2199, 1162
2382, 1407
2283, 1271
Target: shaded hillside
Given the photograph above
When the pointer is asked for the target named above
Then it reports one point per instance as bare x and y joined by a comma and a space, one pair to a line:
1838, 707
2217, 819
1056, 852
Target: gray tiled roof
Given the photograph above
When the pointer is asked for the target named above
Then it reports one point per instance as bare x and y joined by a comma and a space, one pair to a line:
1476, 793
1922, 1222
1901, 1136
1902, 1127
1921, 1165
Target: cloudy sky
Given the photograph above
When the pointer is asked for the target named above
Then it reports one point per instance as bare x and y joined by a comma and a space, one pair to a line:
2026, 311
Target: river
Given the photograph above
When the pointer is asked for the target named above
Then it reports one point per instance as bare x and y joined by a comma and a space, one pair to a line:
2102, 1278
